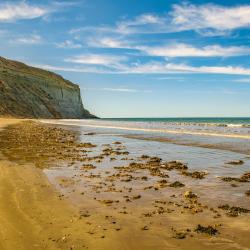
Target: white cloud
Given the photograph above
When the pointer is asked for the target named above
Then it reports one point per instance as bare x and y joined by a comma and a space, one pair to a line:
210, 16
70, 69
141, 24
95, 59
185, 50
154, 68
68, 45
16, 11
164, 68
108, 42
206, 19
33, 39
126, 90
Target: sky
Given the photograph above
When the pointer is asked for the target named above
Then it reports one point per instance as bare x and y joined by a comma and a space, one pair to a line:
143, 58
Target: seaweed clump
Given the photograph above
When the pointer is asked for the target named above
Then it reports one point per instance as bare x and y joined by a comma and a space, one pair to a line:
206, 230
234, 211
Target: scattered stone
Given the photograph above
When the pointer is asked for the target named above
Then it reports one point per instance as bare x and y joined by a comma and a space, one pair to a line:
91, 133
108, 202
88, 167
247, 193
136, 197
190, 195
180, 235
195, 174
234, 211
238, 162
206, 230
244, 178
176, 184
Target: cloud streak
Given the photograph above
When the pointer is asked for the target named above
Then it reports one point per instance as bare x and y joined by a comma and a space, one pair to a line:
19, 11
206, 19
125, 90
186, 50
96, 59
32, 39
67, 44
153, 68
210, 16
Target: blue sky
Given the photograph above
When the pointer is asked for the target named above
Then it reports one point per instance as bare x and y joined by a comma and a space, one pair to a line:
145, 58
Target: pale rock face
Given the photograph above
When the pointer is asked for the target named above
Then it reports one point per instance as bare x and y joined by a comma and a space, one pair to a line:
34, 93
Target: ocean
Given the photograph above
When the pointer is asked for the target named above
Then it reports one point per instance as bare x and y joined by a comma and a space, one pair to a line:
227, 121
220, 133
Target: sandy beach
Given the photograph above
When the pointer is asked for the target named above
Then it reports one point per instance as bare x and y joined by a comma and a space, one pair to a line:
68, 188
31, 213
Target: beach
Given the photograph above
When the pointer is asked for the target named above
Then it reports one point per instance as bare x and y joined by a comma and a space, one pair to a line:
92, 185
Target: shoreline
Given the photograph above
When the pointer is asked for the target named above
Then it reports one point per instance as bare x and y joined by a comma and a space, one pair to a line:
191, 144
204, 143
87, 200
167, 131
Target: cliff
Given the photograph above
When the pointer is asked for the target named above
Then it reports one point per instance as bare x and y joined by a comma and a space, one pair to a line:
30, 92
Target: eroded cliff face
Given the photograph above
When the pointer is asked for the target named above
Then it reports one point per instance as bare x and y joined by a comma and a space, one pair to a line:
35, 93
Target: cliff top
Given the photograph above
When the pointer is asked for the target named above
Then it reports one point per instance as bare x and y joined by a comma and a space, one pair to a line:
16, 67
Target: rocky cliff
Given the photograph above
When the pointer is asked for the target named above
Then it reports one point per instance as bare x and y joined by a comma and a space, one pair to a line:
30, 92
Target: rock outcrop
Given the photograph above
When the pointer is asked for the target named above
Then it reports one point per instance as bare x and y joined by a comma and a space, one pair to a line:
30, 92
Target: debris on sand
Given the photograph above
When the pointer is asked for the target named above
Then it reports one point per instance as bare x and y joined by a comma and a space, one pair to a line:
87, 145
234, 211
108, 202
244, 178
91, 133
117, 143
247, 193
176, 184
88, 167
195, 174
180, 235
238, 162
145, 228
136, 197
175, 165
190, 195
206, 230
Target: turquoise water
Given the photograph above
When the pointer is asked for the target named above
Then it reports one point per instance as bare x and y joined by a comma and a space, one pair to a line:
212, 120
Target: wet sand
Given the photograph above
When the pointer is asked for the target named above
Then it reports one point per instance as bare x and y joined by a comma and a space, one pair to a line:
66, 191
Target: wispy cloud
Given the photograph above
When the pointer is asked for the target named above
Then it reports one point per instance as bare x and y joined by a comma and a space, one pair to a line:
206, 19
152, 68
108, 42
186, 50
96, 59
22, 10
67, 44
32, 39
172, 50
70, 69
126, 90
210, 16
11, 11
164, 68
